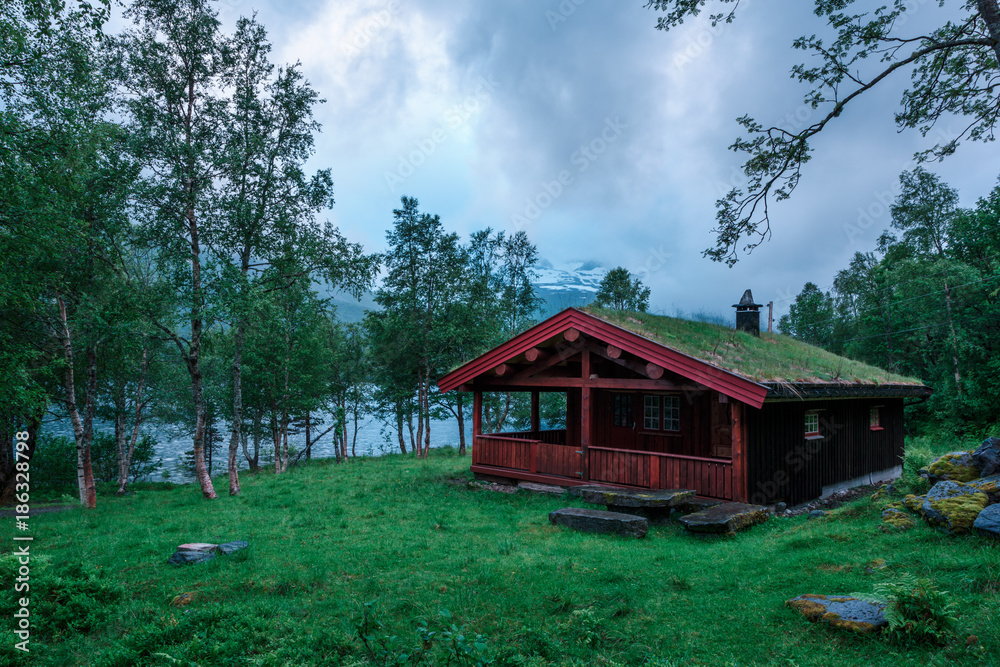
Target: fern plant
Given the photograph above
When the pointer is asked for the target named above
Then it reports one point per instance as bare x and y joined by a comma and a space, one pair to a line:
917, 612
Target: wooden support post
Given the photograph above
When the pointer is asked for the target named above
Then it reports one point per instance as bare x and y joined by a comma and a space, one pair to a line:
477, 422
739, 455
654, 472
770, 315
585, 413
535, 421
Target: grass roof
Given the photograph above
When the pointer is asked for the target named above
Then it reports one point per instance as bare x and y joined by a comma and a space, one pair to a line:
772, 358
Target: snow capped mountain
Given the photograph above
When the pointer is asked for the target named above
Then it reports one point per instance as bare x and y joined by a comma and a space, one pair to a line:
579, 276
569, 285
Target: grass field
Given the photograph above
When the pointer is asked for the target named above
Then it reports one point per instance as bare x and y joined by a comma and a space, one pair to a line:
413, 539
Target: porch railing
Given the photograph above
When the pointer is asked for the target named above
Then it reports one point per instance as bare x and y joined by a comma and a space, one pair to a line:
551, 436
653, 470
626, 467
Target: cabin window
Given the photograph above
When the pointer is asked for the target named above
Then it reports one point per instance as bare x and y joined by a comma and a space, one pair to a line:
671, 413
651, 413
875, 419
622, 411
661, 413
812, 424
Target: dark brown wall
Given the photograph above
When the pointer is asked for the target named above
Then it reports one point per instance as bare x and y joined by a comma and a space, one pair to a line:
694, 438
783, 466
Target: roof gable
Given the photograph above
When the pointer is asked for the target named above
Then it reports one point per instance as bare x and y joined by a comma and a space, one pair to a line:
707, 374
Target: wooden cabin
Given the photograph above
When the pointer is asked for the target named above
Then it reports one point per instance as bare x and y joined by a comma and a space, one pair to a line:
661, 403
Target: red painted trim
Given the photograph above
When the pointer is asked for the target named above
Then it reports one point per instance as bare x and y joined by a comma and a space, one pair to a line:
725, 382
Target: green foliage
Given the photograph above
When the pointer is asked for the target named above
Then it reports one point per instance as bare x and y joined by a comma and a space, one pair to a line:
952, 67
917, 611
54, 462
619, 291
66, 600
810, 317
924, 305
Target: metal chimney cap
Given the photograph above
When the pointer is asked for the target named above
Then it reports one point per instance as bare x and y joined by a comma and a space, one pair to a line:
747, 302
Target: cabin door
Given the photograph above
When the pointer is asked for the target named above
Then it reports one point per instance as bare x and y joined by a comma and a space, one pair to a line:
621, 430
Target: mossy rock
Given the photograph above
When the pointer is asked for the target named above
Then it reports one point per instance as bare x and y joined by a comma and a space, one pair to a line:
884, 491
843, 612
954, 506
988, 485
914, 503
955, 467
896, 519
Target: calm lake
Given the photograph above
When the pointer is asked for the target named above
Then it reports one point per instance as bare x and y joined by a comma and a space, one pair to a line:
374, 439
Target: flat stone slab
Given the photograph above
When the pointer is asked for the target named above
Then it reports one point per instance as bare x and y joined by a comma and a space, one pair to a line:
187, 557
725, 518
846, 613
616, 497
199, 552
232, 547
599, 521
534, 487
692, 505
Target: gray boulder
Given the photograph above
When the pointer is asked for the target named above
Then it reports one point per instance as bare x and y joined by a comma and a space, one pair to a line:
232, 547
987, 523
188, 557
599, 521
987, 457
954, 466
815, 514
953, 506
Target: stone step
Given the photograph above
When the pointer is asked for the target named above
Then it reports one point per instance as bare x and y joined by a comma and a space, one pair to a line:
599, 521
535, 487
618, 497
692, 505
726, 518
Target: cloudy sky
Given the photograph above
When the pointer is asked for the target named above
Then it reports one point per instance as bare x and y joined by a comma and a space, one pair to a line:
603, 138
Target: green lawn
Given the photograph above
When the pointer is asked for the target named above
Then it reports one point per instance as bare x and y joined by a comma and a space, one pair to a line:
413, 538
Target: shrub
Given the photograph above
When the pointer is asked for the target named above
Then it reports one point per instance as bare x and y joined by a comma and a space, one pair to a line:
918, 613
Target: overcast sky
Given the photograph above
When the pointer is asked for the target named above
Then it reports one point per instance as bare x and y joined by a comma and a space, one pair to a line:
602, 137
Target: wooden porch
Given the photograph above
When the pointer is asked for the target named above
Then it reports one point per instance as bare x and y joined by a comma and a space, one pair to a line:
544, 456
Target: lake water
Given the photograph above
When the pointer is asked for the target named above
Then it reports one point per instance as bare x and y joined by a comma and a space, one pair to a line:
374, 439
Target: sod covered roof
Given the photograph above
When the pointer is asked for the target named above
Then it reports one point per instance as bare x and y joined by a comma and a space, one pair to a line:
769, 359
745, 367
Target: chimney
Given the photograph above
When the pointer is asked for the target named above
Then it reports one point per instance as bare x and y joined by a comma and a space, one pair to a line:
748, 314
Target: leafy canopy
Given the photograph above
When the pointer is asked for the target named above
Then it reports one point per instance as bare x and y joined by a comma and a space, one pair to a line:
619, 291
953, 69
